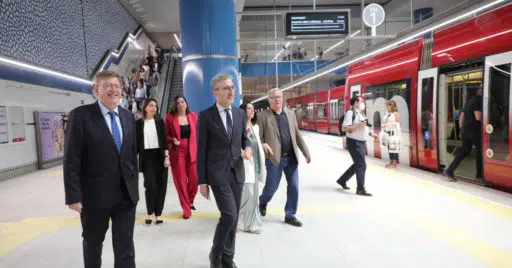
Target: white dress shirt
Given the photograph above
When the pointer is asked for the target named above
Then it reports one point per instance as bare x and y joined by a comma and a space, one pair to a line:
222, 112
359, 134
150, 134
104, 111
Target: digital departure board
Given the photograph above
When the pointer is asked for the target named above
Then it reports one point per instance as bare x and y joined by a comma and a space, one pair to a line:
317, 23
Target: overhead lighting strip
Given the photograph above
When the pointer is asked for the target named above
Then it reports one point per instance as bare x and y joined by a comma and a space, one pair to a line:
177, 39
403, 40
43, 70
281, 51
337, 44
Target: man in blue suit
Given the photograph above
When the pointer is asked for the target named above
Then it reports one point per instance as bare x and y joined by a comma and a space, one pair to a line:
222, 144
100, 172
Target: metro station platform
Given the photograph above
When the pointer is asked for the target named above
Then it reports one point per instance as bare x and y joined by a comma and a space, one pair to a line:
414, 219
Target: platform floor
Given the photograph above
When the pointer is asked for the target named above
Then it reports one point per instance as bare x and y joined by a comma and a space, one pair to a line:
414, 219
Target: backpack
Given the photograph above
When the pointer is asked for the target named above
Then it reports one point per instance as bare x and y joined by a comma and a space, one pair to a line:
340, 124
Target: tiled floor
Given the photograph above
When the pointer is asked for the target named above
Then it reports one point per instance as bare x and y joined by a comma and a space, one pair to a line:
414, 219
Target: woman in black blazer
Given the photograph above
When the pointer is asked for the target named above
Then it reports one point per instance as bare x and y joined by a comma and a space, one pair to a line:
153, 158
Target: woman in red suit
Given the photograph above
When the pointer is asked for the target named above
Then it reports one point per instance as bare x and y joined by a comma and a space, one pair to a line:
181, 136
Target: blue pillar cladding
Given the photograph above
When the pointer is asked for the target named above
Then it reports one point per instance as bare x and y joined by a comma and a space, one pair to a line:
208, 36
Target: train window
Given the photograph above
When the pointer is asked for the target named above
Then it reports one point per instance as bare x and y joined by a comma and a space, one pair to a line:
499, 99
320, 110
427, 112
377, 95
377, 121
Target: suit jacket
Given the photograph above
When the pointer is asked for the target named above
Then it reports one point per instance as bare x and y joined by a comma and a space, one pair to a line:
216, 155
95, 173
162, 140
269, 134
172, 124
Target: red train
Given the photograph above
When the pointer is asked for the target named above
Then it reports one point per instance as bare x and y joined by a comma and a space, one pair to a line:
431, 79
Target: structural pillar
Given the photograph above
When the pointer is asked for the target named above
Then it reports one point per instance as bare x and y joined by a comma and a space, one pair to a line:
208, 37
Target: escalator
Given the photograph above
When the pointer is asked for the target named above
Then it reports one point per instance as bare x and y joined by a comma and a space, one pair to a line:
172, 86
176, 87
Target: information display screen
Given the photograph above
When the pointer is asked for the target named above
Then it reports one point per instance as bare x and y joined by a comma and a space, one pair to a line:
317, 23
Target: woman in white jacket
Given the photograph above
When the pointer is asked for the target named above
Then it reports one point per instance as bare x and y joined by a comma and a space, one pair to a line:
249, 218
392, 134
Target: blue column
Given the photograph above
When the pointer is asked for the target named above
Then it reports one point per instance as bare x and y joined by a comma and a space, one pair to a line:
208, 36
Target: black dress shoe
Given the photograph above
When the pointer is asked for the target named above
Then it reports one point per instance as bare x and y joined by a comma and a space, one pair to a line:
448, 173
159, 221
343, 184
148, 221
263, 210
215, 262
192, 207
363, 192
228, 264
293, 221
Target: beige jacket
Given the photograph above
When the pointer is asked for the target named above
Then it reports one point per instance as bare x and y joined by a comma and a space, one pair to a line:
269, 134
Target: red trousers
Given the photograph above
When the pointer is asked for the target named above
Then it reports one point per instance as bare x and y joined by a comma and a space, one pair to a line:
184, 175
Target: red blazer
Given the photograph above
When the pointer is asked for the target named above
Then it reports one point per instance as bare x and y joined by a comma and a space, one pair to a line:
172, 128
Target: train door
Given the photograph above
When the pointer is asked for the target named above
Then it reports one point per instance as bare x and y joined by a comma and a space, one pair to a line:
496, 119
457, 87
426, 118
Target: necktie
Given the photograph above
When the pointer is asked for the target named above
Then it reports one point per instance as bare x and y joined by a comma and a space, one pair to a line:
229, 124
115, 130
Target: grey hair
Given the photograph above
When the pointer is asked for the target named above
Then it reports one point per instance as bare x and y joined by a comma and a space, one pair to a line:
273, 90
216, 79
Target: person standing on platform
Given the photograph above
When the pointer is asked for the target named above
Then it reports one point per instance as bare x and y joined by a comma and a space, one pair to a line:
181, 135
281, 140
471, 132
100, 172
153, 158
222, 144
250, 220
357, 135
392, 133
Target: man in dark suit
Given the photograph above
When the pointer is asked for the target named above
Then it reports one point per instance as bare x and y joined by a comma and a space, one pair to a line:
222, 144
100, 172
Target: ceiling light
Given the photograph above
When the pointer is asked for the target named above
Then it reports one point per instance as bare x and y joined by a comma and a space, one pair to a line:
177, 39
392, 45
43, 70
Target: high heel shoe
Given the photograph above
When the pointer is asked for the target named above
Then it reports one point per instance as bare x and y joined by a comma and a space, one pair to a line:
149, 221
159, 220
192, 207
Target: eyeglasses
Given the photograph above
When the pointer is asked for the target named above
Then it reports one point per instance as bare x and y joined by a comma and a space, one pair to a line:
228, 88
111, 86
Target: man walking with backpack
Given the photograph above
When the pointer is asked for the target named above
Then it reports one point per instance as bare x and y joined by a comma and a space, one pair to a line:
355, 125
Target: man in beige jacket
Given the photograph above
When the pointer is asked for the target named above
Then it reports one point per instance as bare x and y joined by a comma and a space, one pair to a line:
281, 138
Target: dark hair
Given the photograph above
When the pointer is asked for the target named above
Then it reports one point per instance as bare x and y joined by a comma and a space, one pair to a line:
174, 105
354, 99
145, 104
244, 107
